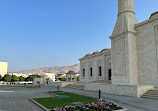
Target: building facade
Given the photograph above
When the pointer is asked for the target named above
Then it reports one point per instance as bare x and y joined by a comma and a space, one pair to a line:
51, 76
3, 68
133, 58
96, 66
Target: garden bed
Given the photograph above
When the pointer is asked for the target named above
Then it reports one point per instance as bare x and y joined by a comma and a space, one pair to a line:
64, 101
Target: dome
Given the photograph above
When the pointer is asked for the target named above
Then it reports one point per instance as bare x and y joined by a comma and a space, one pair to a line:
104, 49
95, 52
88, 54
154, 15
71, 72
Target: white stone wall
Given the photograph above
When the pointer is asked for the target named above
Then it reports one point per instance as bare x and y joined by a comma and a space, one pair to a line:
3, 68
40, 80
124, 90
60, 84
147, 52
102, 59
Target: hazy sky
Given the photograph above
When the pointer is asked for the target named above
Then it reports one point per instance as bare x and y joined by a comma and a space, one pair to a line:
43, 33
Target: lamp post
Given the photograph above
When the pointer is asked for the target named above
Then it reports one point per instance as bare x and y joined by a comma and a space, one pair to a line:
99, 94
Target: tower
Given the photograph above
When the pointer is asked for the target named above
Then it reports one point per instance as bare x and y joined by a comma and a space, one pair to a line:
123, 45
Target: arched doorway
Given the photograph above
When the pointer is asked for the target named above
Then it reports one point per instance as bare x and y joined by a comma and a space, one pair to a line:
109, 74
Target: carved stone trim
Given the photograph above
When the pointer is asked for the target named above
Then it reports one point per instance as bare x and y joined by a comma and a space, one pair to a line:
145, 22
156, 44
119, 36
126, 11
99, 54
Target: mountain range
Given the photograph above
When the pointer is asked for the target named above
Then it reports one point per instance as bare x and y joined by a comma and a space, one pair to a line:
56, 69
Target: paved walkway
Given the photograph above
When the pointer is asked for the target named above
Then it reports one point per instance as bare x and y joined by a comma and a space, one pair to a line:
16, 99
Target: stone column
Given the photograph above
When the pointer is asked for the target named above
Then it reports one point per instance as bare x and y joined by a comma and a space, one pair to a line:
71, 78
67, 77
76, 79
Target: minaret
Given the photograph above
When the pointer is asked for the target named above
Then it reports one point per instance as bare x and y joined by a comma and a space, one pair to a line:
126, 17
123, 45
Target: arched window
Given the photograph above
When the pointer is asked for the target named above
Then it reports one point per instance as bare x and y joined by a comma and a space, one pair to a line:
91, 72
83, 72
100, 74
109, 74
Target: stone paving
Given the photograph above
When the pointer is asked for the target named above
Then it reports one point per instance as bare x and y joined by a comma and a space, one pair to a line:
16, 99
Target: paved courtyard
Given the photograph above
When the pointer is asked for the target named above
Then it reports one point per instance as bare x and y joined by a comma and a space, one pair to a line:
16, 99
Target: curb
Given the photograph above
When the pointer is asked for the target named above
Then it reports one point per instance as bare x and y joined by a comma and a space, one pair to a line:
42, 107
124, 109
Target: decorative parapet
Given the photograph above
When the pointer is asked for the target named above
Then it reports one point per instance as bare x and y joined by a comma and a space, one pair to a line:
152, 18
105, 51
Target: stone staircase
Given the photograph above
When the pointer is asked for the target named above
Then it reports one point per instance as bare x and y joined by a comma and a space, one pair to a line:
101, 81
75, 86
151, 94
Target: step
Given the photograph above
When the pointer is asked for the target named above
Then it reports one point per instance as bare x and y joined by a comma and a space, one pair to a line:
75, 86
153, 90
151, 93
150, 97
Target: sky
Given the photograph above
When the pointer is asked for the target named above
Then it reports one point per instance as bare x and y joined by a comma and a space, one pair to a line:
47, 33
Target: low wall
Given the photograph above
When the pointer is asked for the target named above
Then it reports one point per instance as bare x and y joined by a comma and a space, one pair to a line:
60, 84
40, 80
125, 90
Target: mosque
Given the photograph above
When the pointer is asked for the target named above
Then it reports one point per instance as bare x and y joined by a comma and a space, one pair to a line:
130, 67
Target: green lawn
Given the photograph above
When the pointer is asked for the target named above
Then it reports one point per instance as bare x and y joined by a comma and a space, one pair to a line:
59, 102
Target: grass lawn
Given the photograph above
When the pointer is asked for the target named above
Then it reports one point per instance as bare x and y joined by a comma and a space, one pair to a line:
59, 102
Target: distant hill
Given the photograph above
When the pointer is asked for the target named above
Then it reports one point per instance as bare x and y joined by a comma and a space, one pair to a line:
56, 69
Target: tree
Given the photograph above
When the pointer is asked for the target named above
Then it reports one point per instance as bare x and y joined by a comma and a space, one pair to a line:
7, 78
0, 78
15, 78
78, 78
21, 78
62, 79
31, 77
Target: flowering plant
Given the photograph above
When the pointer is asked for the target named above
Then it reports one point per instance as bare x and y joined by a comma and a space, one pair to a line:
100, 106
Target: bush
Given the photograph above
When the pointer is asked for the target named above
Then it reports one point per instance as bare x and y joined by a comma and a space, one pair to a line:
78, 78
62, 79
